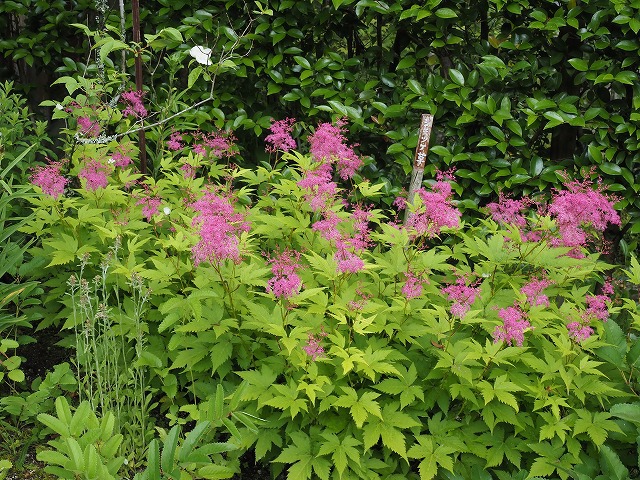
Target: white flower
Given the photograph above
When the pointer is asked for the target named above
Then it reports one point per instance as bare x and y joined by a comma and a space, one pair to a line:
111, 161
166, 210
201, 54
59, 107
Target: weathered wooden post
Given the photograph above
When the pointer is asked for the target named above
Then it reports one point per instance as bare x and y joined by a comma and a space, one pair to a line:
420, 159
142, 144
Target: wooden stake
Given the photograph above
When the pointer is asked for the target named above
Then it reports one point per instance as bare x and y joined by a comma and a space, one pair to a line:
420, 159
142, 144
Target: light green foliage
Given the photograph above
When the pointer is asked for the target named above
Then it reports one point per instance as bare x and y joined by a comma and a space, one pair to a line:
86, 446
402, 387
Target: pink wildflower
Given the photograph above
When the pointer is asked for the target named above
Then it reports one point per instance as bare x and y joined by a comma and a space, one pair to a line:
512, 328
435, 213
348, 262
413, 285
219, 144
96, 175
596, 308
199, 149
358, 305
175, 141
49, 179
133, 104
579, 207
280, 137
321, 190
219, 227
509, 211
313, 347
150, 205
88, 128
189, 171
120, 157
462, 295
327, 144
286, 283
579, 331
533, 291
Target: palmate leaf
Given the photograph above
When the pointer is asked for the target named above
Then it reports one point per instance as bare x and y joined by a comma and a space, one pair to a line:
432, 456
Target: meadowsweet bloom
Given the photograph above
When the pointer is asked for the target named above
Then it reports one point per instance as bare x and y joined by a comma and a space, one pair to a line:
435, 213
413, 285
577, 207
96, 175
133, 104
579, 331
313, 347
533, 291
286, 283
219, 227
280, 137
49, 179
358, 305
513, 326
189, 171
219, 144
201, 54
509, 211
150, 205
175, 142
597, 308
328, 144
87, 127
120, 158
462, 296
348, 262
321, 190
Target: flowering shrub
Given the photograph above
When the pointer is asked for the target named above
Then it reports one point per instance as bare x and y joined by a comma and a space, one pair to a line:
370, 349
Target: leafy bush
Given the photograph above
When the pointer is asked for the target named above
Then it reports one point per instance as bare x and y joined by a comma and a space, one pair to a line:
370, 349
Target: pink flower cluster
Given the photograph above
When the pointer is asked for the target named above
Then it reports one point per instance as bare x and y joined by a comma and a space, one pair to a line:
49, 179
150, 205
96, 174
358, 305
285, 283
413, 285
509, 211
513, 326
533, 291
133, 104
280, 137
88, 128
215, 144
219, 226
436, 212
175, 142
462, 295
347, 246
313, 347
596, 310
328, 144
577, 207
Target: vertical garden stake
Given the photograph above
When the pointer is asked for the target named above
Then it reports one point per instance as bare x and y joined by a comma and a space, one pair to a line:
420, 159
142, 144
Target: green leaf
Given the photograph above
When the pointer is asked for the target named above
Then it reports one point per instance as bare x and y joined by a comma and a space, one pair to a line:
191, 440
169, 449
456, 76
579, 64
446, 13
611, 465
406, 62
194, 74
